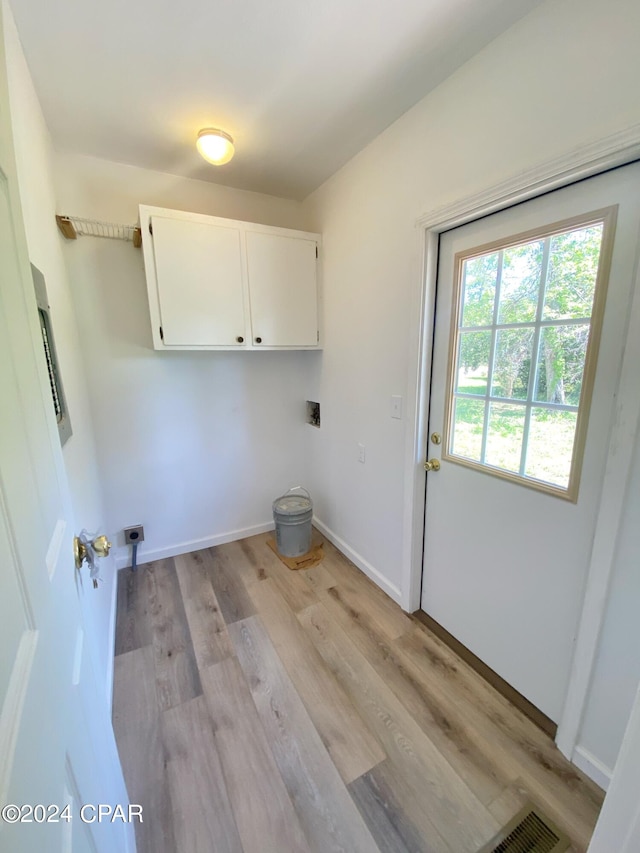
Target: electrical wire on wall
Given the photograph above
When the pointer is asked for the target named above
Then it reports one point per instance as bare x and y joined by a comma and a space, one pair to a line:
134, 556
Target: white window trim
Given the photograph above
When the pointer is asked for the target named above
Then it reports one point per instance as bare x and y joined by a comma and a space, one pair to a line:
606, 219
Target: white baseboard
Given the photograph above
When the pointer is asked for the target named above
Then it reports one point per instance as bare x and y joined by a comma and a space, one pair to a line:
124, 560
379, 579
592, 766
112, 643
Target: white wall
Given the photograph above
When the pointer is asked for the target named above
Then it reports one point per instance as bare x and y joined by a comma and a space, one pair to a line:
561, 77
34, 155
194, 445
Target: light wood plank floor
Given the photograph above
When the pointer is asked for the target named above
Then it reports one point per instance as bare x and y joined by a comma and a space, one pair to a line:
260, 709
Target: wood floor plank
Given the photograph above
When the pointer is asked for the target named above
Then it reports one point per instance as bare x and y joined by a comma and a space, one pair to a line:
431, 655
512, 742
208, 629
361, 594
509, 802
175, 663
137, 727
455, 812
264, 814
202, 815
438, 716
293, 588
132, 620
386, 817
245, 566
328, 816
230, 591
318, 577
352, 746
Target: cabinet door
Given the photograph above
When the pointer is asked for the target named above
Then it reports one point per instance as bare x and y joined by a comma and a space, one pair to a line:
199, 279
283, 290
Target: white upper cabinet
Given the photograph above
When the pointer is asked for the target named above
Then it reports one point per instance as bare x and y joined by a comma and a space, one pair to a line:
199, 281
283, 289
224, 284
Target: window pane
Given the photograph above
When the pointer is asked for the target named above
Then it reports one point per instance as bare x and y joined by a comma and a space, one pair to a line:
520, 287
573, 268
524, 321
504, 436
550, 446
479, 290
468, 423
512, 363
561, 358
473, 362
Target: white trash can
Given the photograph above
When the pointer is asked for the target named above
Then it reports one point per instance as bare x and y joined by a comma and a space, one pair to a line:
292, 515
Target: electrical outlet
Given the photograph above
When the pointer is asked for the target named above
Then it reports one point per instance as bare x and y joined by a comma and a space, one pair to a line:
361, 453
134, 534
396, 408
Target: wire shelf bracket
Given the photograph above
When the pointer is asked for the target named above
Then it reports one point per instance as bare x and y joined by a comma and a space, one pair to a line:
74, 226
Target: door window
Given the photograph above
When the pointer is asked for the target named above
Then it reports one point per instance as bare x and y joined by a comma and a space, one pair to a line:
527, 317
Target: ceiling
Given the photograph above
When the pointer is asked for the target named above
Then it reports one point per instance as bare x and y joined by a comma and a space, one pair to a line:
301, 85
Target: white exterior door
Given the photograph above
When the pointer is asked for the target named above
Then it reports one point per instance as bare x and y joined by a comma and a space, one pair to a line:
524, 437
56, 741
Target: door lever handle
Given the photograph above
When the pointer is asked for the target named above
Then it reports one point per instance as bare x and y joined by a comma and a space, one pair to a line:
432, 465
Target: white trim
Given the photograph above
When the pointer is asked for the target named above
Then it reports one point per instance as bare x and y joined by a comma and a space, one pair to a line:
592, 766
618, 827
123, 560
582, 162
420, 353
11, 715
111, 644
615, 485
366, 567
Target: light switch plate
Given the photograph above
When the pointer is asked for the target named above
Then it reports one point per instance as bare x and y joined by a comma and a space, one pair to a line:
396, 407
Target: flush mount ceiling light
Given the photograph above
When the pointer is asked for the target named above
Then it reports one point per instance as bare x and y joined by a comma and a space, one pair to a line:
216, 146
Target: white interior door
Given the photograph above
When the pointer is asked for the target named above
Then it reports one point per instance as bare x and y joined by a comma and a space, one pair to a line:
56, 741
523, 401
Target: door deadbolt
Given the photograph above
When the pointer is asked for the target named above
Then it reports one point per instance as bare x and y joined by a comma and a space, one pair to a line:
436, 438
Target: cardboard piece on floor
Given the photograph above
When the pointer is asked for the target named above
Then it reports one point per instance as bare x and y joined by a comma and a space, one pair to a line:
304, 561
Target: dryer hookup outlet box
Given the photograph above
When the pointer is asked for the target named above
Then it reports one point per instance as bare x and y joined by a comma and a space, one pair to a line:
133, 535
313, 413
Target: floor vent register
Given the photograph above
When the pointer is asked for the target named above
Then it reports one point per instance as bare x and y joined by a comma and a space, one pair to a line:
530, 831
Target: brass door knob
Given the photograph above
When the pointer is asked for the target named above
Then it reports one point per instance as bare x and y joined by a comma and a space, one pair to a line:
432, 465
101, 546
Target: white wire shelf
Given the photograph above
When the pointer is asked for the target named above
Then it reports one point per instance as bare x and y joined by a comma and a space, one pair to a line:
75, 226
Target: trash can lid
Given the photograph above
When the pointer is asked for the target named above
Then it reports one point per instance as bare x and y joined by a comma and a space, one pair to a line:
292, 504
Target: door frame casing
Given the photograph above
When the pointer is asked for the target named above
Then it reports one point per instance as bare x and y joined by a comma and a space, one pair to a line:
586, 161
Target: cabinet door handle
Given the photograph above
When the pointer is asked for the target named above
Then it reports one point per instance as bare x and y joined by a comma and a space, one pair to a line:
258, 340
240, 339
